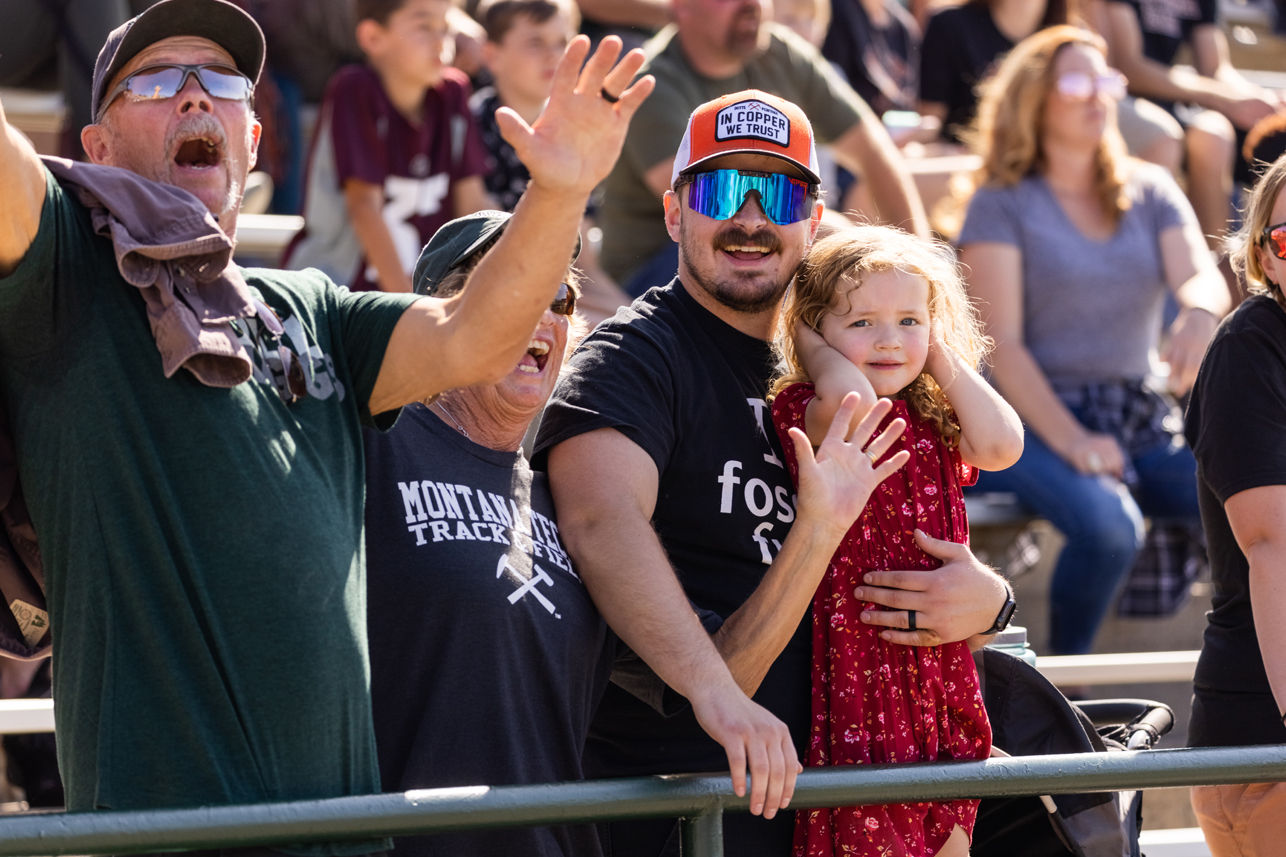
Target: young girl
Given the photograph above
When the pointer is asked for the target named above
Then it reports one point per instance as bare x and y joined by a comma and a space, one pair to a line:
885, 313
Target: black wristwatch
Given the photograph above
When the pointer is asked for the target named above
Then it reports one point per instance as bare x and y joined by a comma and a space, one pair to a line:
1006, 614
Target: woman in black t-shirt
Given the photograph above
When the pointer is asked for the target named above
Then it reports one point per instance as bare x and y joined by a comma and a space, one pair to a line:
1236, 426
963, 44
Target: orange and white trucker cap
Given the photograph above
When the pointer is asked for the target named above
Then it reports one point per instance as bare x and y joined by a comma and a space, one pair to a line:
747, 122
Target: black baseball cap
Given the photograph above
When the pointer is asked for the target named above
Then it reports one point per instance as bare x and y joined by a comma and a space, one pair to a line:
221, 22
453, 245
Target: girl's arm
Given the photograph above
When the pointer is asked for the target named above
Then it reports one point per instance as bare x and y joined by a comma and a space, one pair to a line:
991, 434
833, 376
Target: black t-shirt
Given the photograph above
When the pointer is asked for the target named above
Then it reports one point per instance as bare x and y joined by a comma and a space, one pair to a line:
961, 46
689, 390
1236, 426
1167, 24
881, 63
488, 657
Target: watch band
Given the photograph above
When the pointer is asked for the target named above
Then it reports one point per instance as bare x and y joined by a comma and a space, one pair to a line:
1006, 614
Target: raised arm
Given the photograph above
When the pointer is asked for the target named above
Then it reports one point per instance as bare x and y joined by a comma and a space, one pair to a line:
22, 190
834, 377
1258, 520
479, 335
991, 434
604, 487
1202, 295
867, 150
834, 486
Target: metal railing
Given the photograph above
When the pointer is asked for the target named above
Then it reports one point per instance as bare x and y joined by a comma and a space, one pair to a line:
699, 800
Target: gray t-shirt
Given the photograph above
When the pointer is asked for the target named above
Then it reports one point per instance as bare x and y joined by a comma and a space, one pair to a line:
632, 217
1091, 309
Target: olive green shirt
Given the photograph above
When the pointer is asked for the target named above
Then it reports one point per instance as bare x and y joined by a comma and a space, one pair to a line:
202, 546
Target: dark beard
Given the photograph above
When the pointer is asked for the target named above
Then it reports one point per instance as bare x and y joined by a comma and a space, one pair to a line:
739, 299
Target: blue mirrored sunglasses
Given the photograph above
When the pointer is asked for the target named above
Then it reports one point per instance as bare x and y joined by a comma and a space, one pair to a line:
158, 82
721, 193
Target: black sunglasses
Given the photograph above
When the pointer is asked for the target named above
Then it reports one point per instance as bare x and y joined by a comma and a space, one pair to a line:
158, 82
565, 301
1275, 236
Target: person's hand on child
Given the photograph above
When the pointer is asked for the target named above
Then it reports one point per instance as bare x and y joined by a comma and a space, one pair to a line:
939, 364
836, 482
577, 139
954, 602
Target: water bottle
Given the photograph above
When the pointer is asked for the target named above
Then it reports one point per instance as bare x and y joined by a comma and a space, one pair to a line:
1013, 641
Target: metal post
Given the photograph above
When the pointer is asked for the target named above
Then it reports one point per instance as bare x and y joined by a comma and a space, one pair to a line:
703, 834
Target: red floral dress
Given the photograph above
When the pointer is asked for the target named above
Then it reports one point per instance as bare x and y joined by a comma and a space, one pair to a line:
876, 701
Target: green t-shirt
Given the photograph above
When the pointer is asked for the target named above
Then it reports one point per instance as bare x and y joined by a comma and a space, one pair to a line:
202, 547
631, 216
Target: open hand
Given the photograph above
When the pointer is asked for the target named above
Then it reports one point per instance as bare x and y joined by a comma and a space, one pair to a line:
753, 738
835, 484
952, 603
577, 139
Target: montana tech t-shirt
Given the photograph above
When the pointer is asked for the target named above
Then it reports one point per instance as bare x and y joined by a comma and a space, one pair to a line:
202, 546
488, 657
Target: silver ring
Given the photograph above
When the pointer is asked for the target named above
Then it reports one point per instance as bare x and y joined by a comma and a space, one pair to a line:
910, 621
1094, 462
874, 458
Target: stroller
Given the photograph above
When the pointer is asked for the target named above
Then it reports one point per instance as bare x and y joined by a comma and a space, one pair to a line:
1029, 716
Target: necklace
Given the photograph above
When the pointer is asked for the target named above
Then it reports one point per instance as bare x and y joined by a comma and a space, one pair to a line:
444, 410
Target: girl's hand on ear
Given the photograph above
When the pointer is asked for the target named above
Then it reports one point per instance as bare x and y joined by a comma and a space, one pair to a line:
939, 363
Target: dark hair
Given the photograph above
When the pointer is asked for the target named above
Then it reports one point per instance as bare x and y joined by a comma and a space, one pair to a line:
497, 16
375, 10
1056, 11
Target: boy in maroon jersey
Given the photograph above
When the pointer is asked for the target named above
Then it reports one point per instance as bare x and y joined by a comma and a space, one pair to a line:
396, 153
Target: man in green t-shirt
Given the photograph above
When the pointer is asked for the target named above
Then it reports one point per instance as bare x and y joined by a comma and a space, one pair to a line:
716, 47
202, 545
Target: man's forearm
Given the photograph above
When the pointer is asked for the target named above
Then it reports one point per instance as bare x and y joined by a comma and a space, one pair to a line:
22, 195
752, 638
867, 149
630, 579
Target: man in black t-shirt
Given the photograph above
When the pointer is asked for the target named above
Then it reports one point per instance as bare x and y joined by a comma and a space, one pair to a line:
663, 461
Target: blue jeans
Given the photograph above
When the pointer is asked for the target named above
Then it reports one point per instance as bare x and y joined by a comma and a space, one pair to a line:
1103, 524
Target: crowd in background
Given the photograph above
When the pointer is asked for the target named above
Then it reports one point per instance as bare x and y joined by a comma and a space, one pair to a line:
1092, 232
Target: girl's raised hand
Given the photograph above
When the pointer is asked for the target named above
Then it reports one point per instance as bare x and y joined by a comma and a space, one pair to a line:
836, 482
939, 363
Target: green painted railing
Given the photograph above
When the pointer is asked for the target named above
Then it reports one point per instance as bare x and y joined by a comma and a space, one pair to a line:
699, 800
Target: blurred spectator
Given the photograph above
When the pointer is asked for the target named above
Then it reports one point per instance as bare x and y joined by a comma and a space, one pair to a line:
962, 45
718, 47
309, 40
876, 43
1071, 249
525, 40
633, 21
39, 35
1215, 106
396, 153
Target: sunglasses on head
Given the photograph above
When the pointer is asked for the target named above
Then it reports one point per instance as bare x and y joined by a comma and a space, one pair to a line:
565, 301
1082, 86
1275, 240
158, 82
719, 194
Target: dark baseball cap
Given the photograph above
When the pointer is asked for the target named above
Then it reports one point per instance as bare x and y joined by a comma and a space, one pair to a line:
221, 22
453, 245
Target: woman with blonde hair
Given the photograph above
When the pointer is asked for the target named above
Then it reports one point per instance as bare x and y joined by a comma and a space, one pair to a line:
1236, 424
1070, 248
